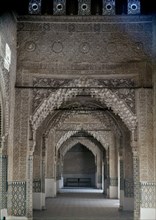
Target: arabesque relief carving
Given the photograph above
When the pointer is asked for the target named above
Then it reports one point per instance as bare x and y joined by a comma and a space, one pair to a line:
105, 96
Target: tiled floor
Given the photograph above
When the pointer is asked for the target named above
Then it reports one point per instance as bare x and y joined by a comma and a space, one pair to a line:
81, 205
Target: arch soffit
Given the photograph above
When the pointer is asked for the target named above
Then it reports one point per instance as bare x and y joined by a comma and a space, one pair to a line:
102, 119
4, 105
105, 96
66, 146
96, 136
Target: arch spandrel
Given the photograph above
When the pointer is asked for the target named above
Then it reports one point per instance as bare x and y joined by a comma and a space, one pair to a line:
105, 96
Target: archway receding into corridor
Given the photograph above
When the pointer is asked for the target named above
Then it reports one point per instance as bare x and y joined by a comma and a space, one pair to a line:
79, 167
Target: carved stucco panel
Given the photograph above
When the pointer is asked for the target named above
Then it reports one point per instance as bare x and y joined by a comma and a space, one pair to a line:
102, 137
50, 156
67, 145
105, 96
145, 134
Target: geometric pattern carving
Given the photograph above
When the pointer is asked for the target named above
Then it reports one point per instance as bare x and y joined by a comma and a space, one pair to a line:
123, 91
69, 134
136, 177
37, 185
39, 95
148, 193
105, 96
84, 7
34, 7
129, 188
128, 95
59, 7
17, 193
133, 6
108, 7
29, 186
72, 142
5, 89
3, 181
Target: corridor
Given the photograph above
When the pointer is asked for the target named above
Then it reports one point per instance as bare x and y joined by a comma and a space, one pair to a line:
81, 205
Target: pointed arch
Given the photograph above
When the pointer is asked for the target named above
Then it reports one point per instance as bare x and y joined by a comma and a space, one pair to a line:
66, 146
104, 95
103, 139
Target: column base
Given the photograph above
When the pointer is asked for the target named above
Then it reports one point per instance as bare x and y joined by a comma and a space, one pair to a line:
38, 201
17, 217
147, 213
113, 192
50, 188
128, 204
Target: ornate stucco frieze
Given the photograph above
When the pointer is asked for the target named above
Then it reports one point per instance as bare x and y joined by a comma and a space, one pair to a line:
104, 95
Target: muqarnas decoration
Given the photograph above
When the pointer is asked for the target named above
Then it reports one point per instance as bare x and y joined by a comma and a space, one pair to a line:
108, 7
133, 6
59, 7
34, 7
84, 7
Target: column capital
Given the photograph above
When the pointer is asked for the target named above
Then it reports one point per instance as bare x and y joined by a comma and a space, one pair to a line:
134, 146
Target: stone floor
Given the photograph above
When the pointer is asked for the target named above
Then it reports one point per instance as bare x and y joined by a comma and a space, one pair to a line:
76, 204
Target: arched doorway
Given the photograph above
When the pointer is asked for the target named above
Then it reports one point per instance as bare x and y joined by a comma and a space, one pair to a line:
115, 136
79, 167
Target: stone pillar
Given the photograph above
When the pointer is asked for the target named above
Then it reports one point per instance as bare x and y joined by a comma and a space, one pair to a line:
103, 174
60, 172
50, 176
121, 165
3, 182
39, 189
128, 176
136, 178
113, 184
43, 181
146, 153
99, 173
18, 156
107, 174
29, 187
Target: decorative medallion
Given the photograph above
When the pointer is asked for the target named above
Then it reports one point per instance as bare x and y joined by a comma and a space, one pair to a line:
84, 7
34, 7
59, 7
133, 6
30, 46
111, 47
108, 7
57, 47
84, 47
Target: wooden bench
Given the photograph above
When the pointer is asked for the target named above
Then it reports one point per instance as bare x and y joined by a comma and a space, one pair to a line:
78, 182
85, 182
72, 182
